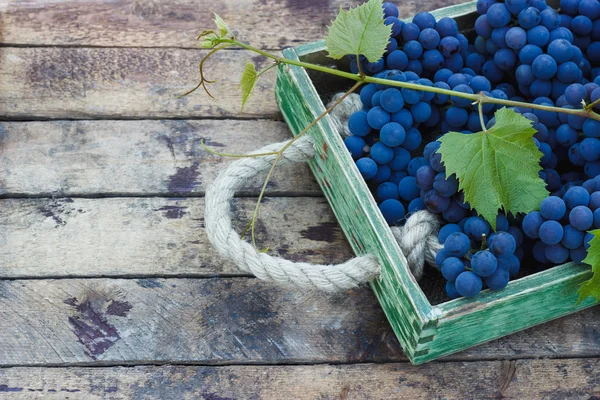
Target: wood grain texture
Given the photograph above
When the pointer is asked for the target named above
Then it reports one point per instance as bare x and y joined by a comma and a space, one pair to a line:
523, 379
83, 158
153, 236
126, 83
228, 321
267, 24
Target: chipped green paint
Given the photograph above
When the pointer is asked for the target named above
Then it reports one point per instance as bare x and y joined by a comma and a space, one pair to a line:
425, 332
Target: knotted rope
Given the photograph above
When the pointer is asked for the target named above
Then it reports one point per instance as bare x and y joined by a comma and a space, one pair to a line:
417, 238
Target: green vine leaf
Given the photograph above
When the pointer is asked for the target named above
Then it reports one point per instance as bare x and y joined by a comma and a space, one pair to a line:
360, 30
498, 168
224, 30
249, 79
591, 287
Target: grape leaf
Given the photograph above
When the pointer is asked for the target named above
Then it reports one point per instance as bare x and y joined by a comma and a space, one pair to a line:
591, 287
223, 28
359, 30
249, 78
498, 168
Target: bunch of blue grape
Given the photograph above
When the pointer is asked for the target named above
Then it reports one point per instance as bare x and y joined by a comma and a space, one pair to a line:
422, 46
524, 51
472, 259
562, 223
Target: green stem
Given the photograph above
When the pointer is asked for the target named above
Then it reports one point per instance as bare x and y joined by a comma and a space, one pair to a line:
480, 97
481, 120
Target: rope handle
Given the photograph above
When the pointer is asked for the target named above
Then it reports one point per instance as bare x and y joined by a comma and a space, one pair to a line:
417, 238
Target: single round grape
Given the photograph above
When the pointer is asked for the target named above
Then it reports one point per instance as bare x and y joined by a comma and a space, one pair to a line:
412, 96
557, 253
454, 213
480, 84
435, 202
457, 79
381, 153
383, 174
375, 67
441, 98
408, 189
581, 217
468, 284
476, 227
446, 231
415, 164
562, 33
387, 190
531, 224
566, 136
413, 139
575, 93
436, 162
403, 117
401, 159
396, 24
377, 117
355, 145
581, 25
498, 280
553, 207
505, 59
578, 255
429, 38
390, 9
516, 38
451, 290
590, 149
425, 177
538, 36
541, 88
514, 265
391, 100
503, 245
551, 232
572, 237
367, 167
424, 20
410, 31
568, 72
447, 27
594, 200
591, 128
413, 49
498, 15
529, 53
445, 186
459, 101
528, 18
516, 6
576, 196
358, 124
397, 59
482, 27
393, 211
449, 46
544, 67
539, 252
392, 134
561, 50
569, 7
484, 263
421, 111
416, 205
440, 257
452, 267
550, 18
454, 63
484, 5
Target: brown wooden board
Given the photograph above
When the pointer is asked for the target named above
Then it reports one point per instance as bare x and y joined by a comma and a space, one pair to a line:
126, 83
102, 158
153, 236
523, 379
128, 23
228, 321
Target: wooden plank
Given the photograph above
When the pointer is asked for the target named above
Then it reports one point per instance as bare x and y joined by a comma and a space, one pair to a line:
82, 158
208, 321
266, 24
152, 236
228, 321
125, 83
522, 379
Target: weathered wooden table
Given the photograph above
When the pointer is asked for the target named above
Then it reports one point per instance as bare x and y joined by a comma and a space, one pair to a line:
109, 288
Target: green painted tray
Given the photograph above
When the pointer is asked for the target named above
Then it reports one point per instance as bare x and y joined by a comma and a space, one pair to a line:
425, 331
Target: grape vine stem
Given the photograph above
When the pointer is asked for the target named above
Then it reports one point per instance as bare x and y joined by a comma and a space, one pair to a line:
479, 97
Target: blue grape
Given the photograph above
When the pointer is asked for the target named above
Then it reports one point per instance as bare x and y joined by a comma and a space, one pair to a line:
505, 59
425, 177
503, 245
566, 136
480, 84
421, 111
454, 212
576, 196
531, 224
553, 208
393, 211
475, 61
516, 38
575, 93
446, 231
445, 186
403, 117
449, 46
381, 153
501, 223
498, 15
435, 202
451, 290
412, 140
454, 63
572, 237
459, 101
499, 279
568, 72
429, 38
377, 66
578, 254
589, 8
367, 167
581, 25
528, 18
412, 96
529, 53
442, 75
441, 98
377, 117
557, 253
415, 66
483, 27
594, 200
391, 100
516, 6
561, 50
410, 31
400, 160
416, 205
581, 218
390, 9
395, 23
468, 284
383, 174
541, 88
457, 79
484, 263
538, 36
355, 145
358, 124
415, 164
591, 128
550, 19
590, 149
499, 38
408, 189
551, 232
562, 33
456, 116
452, 267
424, 20
539, 252
476, 227
413, 49
394, 176
387, 190
392, 134
397, 59
596, 218
544, 67
484, 5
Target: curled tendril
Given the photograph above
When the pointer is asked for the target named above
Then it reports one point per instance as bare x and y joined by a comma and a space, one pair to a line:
203, 81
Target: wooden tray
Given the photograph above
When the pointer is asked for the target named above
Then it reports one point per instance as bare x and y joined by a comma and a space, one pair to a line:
425, 331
